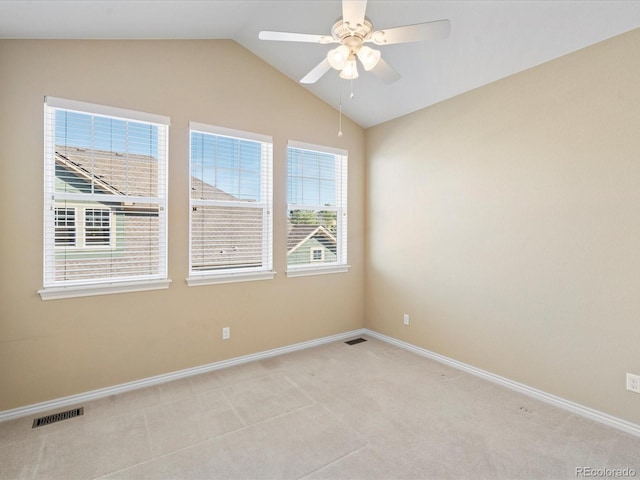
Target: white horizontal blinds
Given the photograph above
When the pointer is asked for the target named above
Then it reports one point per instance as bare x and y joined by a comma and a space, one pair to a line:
317, 205
231, 201
105, 195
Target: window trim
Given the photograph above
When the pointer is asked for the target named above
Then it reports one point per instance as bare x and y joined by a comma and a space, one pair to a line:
97, 109
241, 274
228, 277
53, 290
317, 270
57, 293
341, 264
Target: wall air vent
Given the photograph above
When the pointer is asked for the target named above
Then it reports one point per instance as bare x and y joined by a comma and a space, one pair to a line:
57, 417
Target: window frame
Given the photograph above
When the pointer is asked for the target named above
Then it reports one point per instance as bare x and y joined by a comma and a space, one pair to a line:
232, 274
57, 289
341, 208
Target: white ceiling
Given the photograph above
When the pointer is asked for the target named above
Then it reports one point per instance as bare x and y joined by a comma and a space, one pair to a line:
489, 39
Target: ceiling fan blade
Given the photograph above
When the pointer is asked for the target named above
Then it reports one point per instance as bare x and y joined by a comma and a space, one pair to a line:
318, 71
385, 72
295, 37
353, 12
412, 33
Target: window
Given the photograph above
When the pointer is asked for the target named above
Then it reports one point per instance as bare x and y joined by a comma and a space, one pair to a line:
317, 254
105, 217
317, 209
65, 227
97, 226
231, 206
82, 227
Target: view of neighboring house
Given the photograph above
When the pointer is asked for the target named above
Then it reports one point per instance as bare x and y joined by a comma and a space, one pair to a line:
310, 244
225, 235
105, 234
112, 234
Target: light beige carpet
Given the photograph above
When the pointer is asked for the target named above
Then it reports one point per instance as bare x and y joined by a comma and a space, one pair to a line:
366, 411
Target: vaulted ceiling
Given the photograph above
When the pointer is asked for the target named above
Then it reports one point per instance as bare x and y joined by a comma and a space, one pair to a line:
489, 39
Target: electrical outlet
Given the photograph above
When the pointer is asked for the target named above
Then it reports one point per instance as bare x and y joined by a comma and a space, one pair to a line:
405, 319
226, 333
633, 382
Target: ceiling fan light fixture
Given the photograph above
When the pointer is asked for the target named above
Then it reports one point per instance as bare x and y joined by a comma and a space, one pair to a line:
338, 57
369, 57
350, 70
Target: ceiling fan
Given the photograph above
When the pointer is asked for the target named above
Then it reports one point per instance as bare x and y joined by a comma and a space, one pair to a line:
352, 32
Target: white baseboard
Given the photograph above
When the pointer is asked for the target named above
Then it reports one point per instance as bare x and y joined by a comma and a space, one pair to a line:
147, 382
572, 407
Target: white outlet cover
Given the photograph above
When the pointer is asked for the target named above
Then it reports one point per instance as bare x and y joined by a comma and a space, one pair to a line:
633, 382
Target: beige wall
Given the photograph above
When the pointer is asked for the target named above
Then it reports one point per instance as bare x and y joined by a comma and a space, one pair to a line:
506, 222
57, 348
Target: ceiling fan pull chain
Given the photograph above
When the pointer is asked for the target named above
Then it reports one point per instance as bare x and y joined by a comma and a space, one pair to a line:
340, 118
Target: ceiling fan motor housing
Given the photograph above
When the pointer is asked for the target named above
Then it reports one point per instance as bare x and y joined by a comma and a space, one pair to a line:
349, 35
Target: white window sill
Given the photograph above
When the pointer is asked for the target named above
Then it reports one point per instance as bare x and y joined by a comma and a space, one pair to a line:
214, 279
55, 293
307, 270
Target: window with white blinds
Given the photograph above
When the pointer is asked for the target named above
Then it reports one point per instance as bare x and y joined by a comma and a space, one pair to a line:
231, 205
317, 209
105, 212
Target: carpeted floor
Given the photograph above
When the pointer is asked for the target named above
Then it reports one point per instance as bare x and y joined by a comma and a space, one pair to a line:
365, 411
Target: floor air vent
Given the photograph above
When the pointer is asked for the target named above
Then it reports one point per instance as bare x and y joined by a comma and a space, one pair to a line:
57, 417
354, 341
